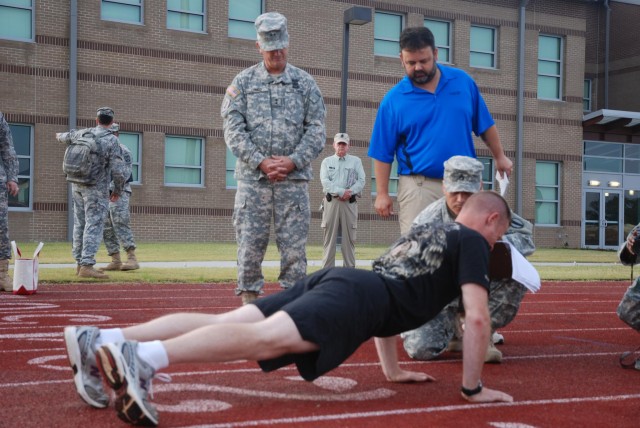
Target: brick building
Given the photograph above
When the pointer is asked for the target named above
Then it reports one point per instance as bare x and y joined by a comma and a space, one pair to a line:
164, 68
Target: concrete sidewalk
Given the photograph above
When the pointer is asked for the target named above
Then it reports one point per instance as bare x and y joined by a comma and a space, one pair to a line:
273, 263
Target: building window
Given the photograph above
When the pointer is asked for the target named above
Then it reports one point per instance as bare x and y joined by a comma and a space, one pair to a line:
386, 34
586, 97
603, 157
185, 15
134, 144
442, 33
129, 11
23, 144
482, 50
393, 179
611, 157
230, 159
183, 161
17, 20
487, 173
549, 67
242, 15
547, 193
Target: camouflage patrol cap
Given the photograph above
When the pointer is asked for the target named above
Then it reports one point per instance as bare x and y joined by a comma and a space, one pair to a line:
342, 137
105, 111
462, 174
272, 31
115, 127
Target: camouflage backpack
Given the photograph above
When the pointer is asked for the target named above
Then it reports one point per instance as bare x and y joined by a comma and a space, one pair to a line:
81, 158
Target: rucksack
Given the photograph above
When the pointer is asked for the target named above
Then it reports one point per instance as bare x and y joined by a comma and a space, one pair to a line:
81, 161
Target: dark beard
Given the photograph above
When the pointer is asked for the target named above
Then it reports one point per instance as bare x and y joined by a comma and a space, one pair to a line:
424, 78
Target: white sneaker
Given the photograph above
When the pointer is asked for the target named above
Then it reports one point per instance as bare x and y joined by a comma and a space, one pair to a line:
80, 342
497, 338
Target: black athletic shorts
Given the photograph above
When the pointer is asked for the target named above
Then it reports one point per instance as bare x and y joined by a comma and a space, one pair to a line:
336, 308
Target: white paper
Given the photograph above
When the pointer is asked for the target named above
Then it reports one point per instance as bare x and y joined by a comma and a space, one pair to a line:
503, 182
523, 271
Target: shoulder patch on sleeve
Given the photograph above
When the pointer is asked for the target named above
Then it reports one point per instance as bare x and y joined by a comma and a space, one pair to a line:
232, 91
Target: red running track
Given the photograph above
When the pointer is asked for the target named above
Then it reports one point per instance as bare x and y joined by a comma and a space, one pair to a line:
560, 364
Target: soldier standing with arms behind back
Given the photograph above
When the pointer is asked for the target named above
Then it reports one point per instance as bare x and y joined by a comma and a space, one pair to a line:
342, 177
8, 186
91, 198
117, 228
274, 124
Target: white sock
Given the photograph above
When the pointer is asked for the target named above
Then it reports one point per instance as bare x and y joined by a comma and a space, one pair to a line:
109, 335
154, 354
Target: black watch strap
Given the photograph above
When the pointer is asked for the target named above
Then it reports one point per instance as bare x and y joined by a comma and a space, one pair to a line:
472, 392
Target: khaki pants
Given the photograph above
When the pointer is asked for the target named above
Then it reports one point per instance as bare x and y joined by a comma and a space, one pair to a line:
337, 214
415, 193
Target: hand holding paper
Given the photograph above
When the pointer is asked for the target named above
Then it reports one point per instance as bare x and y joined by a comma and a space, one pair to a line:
503, 182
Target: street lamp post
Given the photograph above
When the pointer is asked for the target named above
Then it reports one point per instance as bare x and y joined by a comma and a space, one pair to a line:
355, 15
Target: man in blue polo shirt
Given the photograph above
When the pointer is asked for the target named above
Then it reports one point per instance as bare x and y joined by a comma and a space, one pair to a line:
424, 120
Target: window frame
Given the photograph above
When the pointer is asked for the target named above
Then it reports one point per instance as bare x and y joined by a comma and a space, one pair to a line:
201, 167
492, 54
5, 5
140, 5
560, 62
587, 95
229, 19
31, 161
190, 13
230, 183
489, 183
402, 18
393, 178
556, 201
448, 47
135, 162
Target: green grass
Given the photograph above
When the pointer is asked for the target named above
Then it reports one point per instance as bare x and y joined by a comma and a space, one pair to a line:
60, 252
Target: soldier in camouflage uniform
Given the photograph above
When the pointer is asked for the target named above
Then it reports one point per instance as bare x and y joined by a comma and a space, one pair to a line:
8, 186
462, 178
629, 307
91, 202
117, 229
274, 123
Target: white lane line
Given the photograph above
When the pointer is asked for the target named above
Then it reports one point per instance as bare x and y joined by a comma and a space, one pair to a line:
415, 411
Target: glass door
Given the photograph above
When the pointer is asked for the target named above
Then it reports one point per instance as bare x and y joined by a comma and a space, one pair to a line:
602, 219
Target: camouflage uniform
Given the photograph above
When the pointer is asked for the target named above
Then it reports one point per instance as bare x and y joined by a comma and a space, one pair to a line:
91, 202
629, 308
272, 115
8, 172
430, 340
117, 229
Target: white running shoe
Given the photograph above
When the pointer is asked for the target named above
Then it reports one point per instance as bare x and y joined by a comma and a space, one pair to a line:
130, 378
80, 342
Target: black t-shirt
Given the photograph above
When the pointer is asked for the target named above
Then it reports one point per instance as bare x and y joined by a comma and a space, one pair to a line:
425, 269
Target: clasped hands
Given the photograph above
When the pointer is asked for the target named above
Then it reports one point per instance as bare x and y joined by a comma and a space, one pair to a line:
277, 167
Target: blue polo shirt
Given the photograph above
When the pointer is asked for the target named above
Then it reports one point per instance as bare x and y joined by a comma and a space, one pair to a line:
422, 130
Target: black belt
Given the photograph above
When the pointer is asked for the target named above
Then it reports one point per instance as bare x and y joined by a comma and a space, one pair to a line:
329, 197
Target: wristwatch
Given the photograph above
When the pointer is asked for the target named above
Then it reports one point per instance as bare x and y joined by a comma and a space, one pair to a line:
472, 392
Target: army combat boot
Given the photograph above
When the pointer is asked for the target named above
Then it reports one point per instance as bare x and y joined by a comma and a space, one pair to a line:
6, 283
115, 264
90, 272
132, 262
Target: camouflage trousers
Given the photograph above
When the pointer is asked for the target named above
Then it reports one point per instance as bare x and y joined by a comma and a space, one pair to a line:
432, 339
5, 244
629, 308
256, 204
90, 207
117, 230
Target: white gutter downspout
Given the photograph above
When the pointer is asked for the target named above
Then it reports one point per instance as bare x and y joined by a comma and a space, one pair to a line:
607, 29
